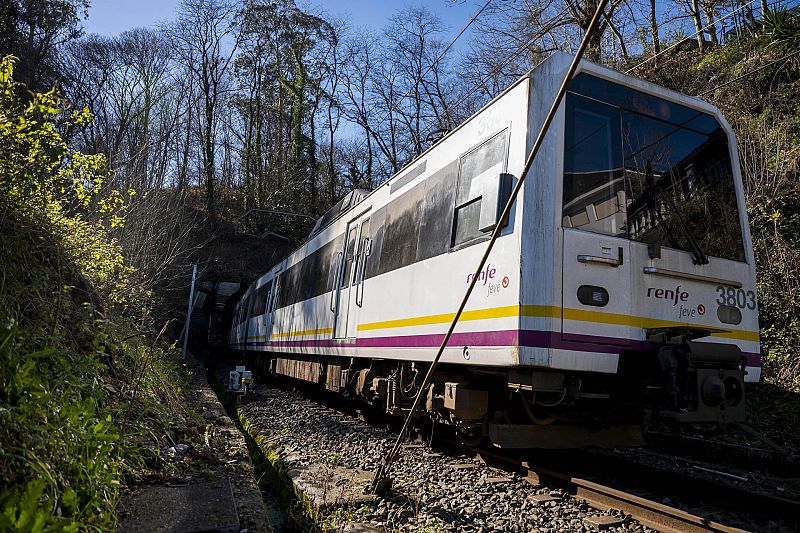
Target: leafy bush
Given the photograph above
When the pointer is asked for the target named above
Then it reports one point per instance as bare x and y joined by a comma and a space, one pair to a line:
76, 402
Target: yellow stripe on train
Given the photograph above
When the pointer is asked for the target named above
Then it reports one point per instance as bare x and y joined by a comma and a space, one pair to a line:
549, 311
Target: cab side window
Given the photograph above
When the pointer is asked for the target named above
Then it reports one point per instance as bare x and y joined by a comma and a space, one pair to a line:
477, 166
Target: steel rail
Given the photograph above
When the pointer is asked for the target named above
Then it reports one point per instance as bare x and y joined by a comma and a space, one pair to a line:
652, 514
380, 475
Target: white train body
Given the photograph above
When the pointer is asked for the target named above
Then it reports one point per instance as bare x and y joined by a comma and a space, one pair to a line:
593, 264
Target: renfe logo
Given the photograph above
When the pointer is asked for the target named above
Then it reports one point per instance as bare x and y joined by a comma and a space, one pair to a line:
673, 296
487, 274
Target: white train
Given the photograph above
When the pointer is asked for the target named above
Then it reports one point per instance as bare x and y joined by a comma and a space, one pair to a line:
622, 284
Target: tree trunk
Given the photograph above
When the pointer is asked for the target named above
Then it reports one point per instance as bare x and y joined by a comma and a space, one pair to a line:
654, 32
712, 29
331, 148
620, 40
311, 164
698, 25
208, 156
369, 159
183, 177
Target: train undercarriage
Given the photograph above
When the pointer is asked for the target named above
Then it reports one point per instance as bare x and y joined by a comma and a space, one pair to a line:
523, 407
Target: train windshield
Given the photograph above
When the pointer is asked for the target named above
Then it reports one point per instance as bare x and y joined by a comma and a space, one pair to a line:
641, 167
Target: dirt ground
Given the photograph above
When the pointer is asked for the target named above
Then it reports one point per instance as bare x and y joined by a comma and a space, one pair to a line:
194, 494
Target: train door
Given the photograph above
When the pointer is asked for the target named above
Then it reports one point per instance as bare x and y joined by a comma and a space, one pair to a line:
244, 325
596, 262
350, 289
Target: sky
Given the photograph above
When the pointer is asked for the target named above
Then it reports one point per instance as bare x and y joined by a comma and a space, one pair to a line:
111, 17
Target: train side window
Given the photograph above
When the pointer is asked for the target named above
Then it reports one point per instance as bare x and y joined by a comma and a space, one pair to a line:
267, 297
475, 167
362, 251
594, 184
349, 257
401, 230
276, 298
374, 260
260, 299
245, 308
436, 216
250, 301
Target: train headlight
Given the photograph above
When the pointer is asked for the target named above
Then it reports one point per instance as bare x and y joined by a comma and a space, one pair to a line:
734, 392
713, 391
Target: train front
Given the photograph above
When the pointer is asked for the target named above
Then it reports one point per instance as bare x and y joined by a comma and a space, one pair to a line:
658, 267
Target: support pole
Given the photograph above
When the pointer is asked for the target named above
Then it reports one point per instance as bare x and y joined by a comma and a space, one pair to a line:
189, 312
381, 474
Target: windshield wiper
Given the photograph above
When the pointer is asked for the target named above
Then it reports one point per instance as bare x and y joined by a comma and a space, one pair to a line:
700, 257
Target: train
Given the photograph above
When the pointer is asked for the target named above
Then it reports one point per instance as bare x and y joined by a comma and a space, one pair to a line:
620, 291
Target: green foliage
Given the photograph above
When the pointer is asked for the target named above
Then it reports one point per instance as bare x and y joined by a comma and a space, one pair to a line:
769, 144
725, 57
60, 462
760, 98
782, 29
67, 441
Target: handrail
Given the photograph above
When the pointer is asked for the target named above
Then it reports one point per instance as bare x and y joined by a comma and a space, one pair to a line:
365, 252
688, 275
610, 261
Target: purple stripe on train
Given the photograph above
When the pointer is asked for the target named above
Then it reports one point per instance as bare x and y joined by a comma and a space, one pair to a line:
530, 338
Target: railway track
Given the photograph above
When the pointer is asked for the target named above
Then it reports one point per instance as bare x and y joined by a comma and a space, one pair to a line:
656, 498
725, 453
640, 499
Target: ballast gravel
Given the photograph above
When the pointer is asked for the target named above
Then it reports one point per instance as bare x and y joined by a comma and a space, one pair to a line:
431, 491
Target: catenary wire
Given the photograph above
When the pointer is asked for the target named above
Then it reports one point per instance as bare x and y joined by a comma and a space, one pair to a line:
497, 70
473, 19
435, 62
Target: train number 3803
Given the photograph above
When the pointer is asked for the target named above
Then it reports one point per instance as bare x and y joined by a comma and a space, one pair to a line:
736, 297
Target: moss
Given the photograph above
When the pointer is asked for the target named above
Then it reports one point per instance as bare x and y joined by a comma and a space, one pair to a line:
273, 477
722, 58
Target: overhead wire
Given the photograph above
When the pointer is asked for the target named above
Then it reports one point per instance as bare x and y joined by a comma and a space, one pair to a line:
435, 62
473, 19
439, 58
497, 70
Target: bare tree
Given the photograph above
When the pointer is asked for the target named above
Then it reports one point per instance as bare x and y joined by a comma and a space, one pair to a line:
127, 82
359, 63
694, 11
205, 38
398, 88
34, 31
